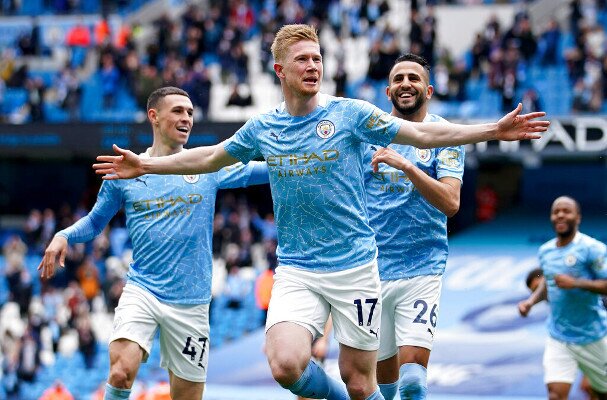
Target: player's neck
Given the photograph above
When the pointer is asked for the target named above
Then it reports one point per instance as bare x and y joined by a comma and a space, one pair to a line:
299, 106
417, 116
562, 241
159, 150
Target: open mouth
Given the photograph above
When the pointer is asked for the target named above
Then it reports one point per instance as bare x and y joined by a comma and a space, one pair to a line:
183, 129
311, 81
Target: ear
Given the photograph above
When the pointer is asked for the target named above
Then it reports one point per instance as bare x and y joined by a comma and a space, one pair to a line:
278, 70
388, 91
153, 116
429, 92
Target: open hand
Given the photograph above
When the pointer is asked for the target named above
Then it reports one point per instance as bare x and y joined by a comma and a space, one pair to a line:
57, 248
123, 166
513, 126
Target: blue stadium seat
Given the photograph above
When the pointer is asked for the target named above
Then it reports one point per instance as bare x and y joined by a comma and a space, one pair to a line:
13, 99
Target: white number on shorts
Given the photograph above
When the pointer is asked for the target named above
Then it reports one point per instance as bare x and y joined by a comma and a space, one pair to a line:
419, 319
359, 307
191, 350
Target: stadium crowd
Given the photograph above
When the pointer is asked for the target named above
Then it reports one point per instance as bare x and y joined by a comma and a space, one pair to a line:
43, 320
183, 48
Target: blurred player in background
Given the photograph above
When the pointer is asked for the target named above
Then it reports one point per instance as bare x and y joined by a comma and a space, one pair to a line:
168, 287
533, 280
326, 248
575, 274
409, 199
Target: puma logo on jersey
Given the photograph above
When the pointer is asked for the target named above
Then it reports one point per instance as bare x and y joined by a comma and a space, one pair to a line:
275, 136
375, 333
141, 180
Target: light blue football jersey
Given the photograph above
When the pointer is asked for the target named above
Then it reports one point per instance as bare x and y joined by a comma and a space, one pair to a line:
576, 316
411, 233
315, 164
170, 223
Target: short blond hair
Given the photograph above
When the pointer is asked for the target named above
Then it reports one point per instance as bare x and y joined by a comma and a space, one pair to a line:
288, 35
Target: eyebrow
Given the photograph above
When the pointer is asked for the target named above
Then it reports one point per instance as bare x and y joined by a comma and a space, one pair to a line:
179, 107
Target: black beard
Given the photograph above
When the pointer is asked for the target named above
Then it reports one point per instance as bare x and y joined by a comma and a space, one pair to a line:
566, 234
419, 102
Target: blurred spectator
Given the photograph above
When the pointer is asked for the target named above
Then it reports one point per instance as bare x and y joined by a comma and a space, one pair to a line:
10, 348
103, 34
240, 95
35, 98
241, 16
78, 38
88, 278
441, 82
266, 226
7, 64
198, 85
110, 78
458, 77
33, 229
509, 86
49, 225
68, 92
27, 44
428, 39
18, 77
239, 63
548, 44
531, 101
263, 291
87, 342
575, 16
236, 288
29, 357
522, 38
147, 81
486, 203
57, 392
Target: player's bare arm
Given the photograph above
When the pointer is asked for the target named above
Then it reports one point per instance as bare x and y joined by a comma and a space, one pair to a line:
510, 127
57, 248
194, 161
565, 281
539, 294
443, 194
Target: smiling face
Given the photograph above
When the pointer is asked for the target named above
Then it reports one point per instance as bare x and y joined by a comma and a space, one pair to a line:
565, 217
409, 90
301, 70
173, 119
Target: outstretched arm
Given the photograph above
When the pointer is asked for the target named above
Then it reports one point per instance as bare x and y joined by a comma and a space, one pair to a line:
539, 294
194, 161
565, 281
511, 127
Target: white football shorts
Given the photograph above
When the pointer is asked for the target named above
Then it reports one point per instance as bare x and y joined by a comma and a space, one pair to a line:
184, 331
352, 296
409, 313
561, 362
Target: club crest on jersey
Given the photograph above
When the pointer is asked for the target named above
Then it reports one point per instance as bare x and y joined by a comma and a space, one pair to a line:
191, 178
325, 129
423, 154
570, 260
